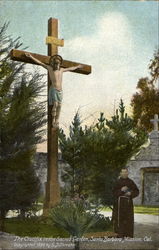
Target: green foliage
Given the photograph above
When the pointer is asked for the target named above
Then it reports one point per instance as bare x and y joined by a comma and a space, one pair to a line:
96, 154
103, 223
154, 67
21, 116
120, 122
145, 102
21, 119
16, 190
73, 153
73, 217
111, 147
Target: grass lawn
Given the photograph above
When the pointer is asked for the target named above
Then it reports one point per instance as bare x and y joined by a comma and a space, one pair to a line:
33, 228
146, 210
140, 209
40, 227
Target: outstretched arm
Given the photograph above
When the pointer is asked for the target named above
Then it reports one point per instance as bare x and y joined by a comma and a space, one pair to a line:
72, 68
36, 60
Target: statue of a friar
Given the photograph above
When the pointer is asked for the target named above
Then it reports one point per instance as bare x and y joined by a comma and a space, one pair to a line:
55, 90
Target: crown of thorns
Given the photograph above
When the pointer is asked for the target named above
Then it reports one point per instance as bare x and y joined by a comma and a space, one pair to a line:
53, 58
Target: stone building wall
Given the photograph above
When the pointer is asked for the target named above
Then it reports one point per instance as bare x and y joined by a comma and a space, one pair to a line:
144, 170
40, 166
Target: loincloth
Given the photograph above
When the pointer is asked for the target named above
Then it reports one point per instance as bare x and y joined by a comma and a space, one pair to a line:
55, 95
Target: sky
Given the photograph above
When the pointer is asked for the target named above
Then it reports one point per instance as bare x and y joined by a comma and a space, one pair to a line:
117, 38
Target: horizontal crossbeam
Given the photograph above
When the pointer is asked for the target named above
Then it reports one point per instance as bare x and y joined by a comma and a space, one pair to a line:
19, 55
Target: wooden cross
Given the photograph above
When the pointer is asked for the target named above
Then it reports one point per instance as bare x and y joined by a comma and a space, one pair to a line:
52, 195
155, 121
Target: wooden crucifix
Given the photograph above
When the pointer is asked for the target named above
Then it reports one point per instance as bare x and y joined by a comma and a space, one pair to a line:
52, 196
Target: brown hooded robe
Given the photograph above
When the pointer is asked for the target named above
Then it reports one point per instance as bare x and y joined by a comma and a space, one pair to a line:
123, 210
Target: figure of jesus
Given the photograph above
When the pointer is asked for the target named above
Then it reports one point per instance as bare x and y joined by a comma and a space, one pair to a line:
55, 90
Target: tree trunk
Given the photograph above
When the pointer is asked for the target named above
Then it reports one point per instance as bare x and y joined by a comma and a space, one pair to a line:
77, 246
22, 213
2, 219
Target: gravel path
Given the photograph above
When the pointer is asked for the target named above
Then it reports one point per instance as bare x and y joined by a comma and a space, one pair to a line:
144, 225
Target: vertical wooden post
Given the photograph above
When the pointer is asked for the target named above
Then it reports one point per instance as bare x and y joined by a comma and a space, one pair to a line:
52, 195
142, 186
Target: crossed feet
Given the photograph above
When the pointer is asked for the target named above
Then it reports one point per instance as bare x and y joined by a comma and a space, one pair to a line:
55, 124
